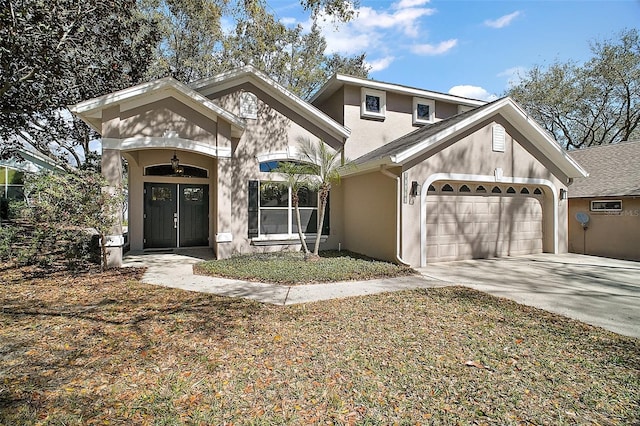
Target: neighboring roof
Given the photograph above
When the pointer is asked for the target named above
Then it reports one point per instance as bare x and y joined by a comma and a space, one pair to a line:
91, 110
249, 75
32, 162
339, 80
414, 144
614, 170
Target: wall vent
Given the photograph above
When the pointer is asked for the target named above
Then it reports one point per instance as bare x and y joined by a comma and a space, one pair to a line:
498, 140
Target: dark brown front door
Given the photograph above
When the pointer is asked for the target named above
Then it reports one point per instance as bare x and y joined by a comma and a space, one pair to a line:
160, 215
194, 215
176, 213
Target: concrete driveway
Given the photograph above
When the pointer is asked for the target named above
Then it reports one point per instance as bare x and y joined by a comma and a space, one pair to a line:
595, 290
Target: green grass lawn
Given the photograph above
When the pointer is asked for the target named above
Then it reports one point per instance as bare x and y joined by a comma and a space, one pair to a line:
107, 349
291, 268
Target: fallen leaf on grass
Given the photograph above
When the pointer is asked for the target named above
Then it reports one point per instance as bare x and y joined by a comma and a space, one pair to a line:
477, 365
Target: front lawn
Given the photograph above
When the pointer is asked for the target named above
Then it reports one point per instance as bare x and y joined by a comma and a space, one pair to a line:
106, 349
291, 268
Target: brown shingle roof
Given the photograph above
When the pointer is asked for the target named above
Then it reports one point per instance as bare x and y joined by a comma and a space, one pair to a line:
614, 170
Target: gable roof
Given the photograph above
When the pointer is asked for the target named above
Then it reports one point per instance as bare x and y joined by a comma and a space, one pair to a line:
249, 75
340, 80
31, 162
414, 144
614, 170
91, 110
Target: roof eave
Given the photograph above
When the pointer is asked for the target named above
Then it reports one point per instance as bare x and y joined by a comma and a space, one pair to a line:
249, 74
508, 108
91, 110
338, 80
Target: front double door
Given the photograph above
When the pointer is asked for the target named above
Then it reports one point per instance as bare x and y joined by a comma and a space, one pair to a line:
176, 215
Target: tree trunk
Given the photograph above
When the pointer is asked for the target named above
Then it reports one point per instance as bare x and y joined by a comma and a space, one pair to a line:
305, 249
324, 194
103, 252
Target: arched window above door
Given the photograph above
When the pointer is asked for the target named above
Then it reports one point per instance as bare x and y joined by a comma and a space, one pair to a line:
168, 170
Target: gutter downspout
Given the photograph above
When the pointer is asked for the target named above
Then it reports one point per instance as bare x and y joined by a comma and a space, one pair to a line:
390, 175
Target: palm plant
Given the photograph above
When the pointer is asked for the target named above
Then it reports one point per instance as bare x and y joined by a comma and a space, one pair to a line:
296, 176
324, 163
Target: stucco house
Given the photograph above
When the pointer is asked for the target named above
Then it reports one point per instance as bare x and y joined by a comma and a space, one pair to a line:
436, 177
604, 208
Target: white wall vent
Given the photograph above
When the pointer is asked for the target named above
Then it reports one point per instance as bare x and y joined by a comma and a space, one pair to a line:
248, 105
498, 139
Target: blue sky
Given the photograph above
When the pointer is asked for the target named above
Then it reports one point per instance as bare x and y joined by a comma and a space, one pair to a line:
468, 48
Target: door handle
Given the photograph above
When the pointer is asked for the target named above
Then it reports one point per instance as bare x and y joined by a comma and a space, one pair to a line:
175, 221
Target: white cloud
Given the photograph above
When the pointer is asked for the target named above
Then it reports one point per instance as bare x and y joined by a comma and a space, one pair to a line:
473, 92
288, 21
375, 31
380, 64
514, 75
409, 3
434, 49
502, 21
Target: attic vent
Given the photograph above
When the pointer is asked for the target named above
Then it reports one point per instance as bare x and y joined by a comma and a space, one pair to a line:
498, 138
248, 105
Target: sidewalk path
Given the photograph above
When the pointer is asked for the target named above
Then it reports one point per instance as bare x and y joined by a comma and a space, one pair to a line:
176, 270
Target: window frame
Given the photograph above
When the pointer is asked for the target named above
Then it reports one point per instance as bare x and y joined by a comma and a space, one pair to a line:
364, 113
432, 111
605, 210
291, 233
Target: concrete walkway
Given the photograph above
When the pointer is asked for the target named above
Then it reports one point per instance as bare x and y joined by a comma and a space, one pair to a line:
596, 290
176, 270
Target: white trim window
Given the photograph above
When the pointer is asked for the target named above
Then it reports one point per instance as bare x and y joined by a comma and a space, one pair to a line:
373, 103
606, 205
274, 214
424, 111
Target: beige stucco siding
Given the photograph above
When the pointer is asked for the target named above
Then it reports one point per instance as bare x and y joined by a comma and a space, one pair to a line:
334, 106
270, 133
231, 102
368, 134
608, 234
154, 119
370, 215
471, 155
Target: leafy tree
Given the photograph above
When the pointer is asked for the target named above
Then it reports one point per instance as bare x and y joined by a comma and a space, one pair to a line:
53, 54
194, 45
595, 103
324, 164
292, 57
76, 202
191, 33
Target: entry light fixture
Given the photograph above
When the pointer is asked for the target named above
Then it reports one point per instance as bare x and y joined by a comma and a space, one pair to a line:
175, 164
563, 194
415, 188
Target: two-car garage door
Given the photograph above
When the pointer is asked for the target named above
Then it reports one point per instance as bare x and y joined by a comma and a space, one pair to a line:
471, 221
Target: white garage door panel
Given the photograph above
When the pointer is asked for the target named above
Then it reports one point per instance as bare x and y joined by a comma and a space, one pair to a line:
474, 226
